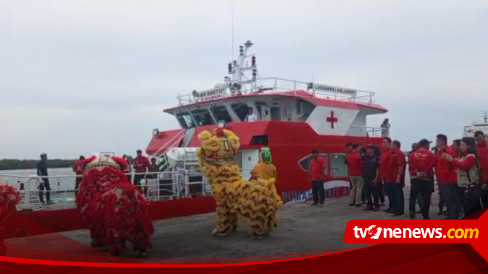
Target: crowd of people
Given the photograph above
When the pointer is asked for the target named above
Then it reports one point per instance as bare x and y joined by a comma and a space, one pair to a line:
460, 170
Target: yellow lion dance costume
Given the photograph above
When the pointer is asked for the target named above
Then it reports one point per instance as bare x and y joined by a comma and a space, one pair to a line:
257, 202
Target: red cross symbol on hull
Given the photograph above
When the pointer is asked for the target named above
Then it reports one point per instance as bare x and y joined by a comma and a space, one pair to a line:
332, 119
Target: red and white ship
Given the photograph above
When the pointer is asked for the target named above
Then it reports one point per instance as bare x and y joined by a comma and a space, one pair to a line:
292, 117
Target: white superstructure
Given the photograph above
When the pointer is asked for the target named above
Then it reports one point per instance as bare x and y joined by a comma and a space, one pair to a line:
471, 129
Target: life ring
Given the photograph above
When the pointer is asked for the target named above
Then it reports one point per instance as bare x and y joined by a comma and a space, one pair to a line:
33, 180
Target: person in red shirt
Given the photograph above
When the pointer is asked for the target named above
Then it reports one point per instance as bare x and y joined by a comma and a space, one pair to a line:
354, 161
446, 178
456, 148
422, 163
141, 164
392, 172
78, 169
468, 171
316, 176
384, 170
396, 176
482, 147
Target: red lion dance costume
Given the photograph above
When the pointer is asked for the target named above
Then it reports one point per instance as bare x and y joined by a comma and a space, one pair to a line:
112, 208
9, 198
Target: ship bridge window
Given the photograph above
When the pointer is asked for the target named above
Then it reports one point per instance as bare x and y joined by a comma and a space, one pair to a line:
221, 114
185, 120
241, 110
202, 117
259, 140
304, 107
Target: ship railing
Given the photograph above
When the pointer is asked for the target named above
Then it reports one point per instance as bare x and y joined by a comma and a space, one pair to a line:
276, 85
367, 131
156, 186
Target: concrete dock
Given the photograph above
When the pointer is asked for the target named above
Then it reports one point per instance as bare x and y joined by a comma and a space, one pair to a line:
302, 228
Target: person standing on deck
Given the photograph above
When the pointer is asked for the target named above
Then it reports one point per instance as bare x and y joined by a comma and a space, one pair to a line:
371, 178
153, 168
355, 165
385, 128
316, 176
422, 163
397, 169
141, 164
78, 169
42, 171
152, 178
446, 173
128, 170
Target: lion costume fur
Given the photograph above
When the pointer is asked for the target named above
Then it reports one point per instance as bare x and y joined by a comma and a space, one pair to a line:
256, 202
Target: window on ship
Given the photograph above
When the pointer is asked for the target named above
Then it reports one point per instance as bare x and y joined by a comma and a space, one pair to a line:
202, 117
241, 110
221, 114
185, 120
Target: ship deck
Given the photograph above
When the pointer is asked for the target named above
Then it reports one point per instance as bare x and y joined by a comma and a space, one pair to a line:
301, 229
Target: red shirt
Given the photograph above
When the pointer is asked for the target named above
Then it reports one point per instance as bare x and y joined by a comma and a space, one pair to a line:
422, 161
141, 163
384, 160
355, 163
391, 164
78, 167
445, 170
317, 166
483, 158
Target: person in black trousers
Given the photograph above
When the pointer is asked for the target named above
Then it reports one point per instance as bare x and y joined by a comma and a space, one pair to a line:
42, 171
316, 176
370, 176
422, 162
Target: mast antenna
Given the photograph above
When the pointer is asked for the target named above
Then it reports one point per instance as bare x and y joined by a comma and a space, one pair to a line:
486, 117
232, 25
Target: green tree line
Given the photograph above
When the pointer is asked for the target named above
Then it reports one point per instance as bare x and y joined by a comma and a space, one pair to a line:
29, 164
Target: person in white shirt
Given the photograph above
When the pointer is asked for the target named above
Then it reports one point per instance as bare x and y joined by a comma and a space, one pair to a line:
251, 117
385, 128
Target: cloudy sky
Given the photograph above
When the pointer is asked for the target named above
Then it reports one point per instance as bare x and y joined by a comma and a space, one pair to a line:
94, 75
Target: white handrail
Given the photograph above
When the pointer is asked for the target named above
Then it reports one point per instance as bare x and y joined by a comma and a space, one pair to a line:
155, 189
277, 85
370, 131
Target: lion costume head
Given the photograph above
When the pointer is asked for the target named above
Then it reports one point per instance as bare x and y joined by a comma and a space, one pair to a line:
217, 155
113, 208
